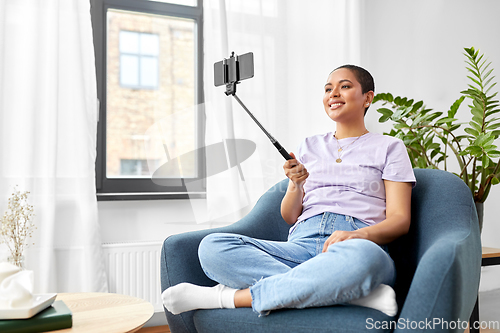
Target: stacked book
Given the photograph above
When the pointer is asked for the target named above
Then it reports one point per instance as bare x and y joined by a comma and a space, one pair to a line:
55, 317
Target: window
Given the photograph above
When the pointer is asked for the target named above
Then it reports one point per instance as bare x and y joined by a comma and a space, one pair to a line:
149, 72
133, 167
139, 59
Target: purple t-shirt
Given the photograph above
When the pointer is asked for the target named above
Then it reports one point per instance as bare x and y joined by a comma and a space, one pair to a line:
354, 187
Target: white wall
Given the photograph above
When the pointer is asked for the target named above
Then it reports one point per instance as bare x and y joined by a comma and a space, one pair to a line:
154, 220
414, 49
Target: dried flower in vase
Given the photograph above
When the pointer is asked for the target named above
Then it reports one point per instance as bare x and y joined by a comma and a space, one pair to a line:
17, 226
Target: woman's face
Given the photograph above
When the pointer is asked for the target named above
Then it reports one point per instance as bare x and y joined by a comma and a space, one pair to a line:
344, 100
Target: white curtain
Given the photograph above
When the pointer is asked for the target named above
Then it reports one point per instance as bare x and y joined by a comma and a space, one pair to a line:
48, 124
295, 44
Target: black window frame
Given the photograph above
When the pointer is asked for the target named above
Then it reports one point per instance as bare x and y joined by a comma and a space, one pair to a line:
128, 188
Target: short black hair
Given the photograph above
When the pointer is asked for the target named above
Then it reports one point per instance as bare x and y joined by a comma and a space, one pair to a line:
363, 76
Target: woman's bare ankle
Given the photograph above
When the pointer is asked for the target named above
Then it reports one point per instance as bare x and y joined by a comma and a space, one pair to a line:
243, 298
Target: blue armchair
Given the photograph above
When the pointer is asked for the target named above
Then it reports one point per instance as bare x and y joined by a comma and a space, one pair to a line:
438, 268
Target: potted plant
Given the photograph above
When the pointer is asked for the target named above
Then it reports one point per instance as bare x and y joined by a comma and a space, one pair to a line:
433, 136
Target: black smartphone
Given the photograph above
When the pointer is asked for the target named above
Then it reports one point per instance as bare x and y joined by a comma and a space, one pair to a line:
234, 69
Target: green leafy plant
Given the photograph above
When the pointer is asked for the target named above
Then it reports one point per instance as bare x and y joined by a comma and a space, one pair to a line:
433, 136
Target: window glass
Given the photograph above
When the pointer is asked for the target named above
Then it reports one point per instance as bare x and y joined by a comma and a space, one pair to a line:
150, 77
149, 44
129, 42
139, 59
129, 69
149, 72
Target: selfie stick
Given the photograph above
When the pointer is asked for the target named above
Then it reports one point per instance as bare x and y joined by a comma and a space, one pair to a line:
231, 90
275, 142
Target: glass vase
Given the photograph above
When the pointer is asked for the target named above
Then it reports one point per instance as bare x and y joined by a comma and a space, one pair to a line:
17, 260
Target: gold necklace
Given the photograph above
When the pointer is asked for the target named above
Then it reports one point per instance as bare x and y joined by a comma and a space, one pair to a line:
341, 149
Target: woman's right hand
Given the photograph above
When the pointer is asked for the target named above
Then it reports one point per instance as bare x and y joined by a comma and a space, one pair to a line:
295, 171
291, 205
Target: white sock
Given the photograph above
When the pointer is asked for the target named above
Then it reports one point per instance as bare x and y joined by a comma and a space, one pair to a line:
382, 298
186, 297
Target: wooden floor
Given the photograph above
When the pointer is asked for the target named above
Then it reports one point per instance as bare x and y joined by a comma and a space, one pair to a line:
156, 329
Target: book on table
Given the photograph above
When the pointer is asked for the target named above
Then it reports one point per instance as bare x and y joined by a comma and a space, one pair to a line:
55, 317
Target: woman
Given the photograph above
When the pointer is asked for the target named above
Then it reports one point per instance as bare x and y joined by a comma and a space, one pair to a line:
349, 195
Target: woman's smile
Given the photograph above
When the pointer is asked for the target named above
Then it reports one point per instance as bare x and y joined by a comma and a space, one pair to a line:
335, 104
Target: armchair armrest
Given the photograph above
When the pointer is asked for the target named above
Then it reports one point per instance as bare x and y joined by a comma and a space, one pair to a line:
439, 261
444, 287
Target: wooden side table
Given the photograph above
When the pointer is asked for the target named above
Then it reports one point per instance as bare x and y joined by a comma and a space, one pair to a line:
490, 257
106, 312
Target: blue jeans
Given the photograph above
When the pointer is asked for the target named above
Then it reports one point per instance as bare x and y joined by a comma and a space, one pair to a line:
296, 274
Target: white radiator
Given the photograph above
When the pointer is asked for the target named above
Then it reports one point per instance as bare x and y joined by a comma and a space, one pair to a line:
134, 269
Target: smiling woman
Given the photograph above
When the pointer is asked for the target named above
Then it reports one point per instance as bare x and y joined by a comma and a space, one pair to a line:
340, 212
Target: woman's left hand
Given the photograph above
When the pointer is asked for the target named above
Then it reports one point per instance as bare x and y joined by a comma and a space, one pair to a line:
340, 236
396, 223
